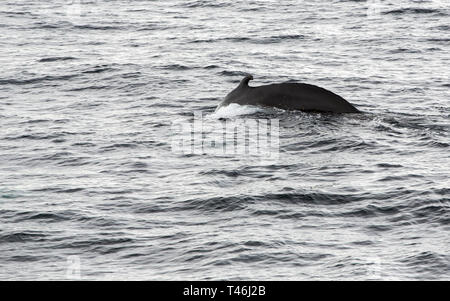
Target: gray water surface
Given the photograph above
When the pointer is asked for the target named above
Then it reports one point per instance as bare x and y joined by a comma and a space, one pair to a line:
90, 187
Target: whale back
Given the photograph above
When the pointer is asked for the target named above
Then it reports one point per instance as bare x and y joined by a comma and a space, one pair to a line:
290, 96
300, 96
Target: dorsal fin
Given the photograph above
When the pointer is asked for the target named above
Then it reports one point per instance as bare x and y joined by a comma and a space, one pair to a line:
245, 80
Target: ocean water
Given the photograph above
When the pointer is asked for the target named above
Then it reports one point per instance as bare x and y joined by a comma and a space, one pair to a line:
90, 187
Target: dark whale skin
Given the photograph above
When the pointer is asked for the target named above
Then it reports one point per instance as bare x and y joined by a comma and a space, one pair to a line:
289, 96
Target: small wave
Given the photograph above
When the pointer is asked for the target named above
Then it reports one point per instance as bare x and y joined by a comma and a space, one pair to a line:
88, 88
215, 172
234, 109
19, 13
175, 67
97, 27
41, 25
443, 27
84, 144
438, 40
414, 11
233, 39
98, 69
400, 178
21, 237
54, 59
95, 243
8, 195
39, 136
69, 190
211, 67
278, 39
46, 216
117, 146
195, 41
428, 261
230, 203
435, 212
389, 165
36, 79
32, 121
443, 191
263, 40
25, 258
413, 123
205, 3
233, 73
156, 26
404, 50
313, 198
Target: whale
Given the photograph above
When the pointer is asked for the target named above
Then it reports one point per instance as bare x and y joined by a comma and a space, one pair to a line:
288, 96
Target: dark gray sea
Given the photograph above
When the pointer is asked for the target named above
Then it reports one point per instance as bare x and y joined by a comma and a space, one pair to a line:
90, 187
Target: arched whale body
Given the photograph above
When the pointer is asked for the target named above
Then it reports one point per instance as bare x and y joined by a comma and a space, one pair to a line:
288, 96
